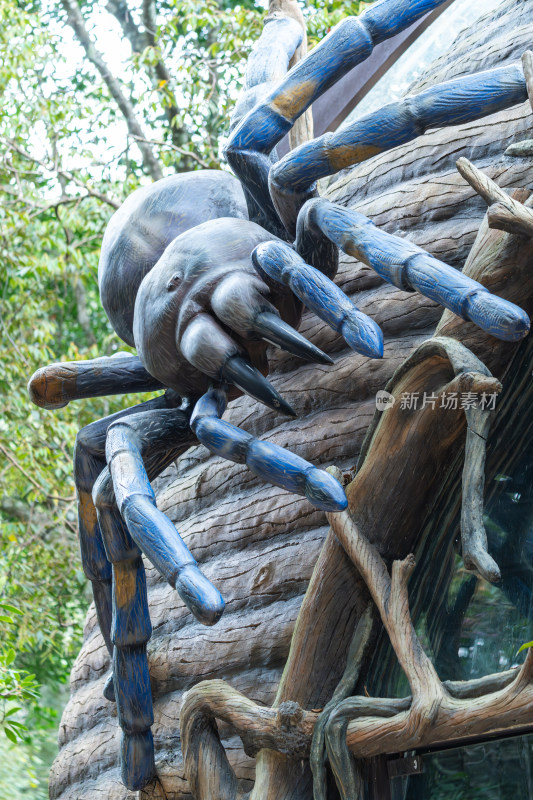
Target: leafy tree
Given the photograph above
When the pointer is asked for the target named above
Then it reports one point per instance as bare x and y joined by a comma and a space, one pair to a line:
79, 130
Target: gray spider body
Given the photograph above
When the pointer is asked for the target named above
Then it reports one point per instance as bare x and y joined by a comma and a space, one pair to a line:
147, 222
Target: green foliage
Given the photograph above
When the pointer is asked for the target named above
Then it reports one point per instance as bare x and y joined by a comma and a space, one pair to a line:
67, 161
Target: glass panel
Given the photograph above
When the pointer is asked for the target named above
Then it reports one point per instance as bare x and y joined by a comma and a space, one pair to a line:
469, 627
411, 65
499, 770
481, 626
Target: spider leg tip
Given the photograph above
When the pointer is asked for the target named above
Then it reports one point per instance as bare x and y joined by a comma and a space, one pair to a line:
199, 595
324, 491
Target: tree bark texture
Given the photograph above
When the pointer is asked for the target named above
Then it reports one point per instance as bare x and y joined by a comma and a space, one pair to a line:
262, 546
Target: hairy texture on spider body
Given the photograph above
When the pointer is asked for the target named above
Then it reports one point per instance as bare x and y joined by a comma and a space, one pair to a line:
150, 218
194, 306
292, 180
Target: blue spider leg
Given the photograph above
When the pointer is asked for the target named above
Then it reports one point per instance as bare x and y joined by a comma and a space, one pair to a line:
266, 460
89, 461
56, 385
128, 442
130, 632
279, 262
293, 179
349, 43
410, 268
138, 448
267, 64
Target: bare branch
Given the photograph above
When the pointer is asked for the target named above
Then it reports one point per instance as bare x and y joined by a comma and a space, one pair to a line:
518, 220
505, 213
286, 729
473, 534
61, 173
77, 23
162, 73
137, 38
523, 149
389, 593
181, 150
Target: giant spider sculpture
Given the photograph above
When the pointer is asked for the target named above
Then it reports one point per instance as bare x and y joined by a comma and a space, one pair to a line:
200, 277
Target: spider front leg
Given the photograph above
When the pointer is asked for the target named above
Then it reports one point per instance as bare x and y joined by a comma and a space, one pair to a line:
55, 386
268, 461
399, 262
350, 43
89, 462
58, 384
138, 448
130, 631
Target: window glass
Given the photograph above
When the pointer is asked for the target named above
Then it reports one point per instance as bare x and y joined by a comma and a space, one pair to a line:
430, 45
500, 770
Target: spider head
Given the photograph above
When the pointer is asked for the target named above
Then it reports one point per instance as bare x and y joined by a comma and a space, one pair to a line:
203, 314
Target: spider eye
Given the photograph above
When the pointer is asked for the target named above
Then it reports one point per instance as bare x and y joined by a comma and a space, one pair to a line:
173, 282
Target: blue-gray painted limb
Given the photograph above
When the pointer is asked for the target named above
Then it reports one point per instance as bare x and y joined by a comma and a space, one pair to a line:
153, 532
56, 385
266, 460
350, 43
293, 179
126, 512
313, 245
89, 462
130, 632
267, 64
410, 268
279, 262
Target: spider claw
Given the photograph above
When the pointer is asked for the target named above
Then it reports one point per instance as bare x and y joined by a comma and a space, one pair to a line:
281, 263
239, 371
275, 330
